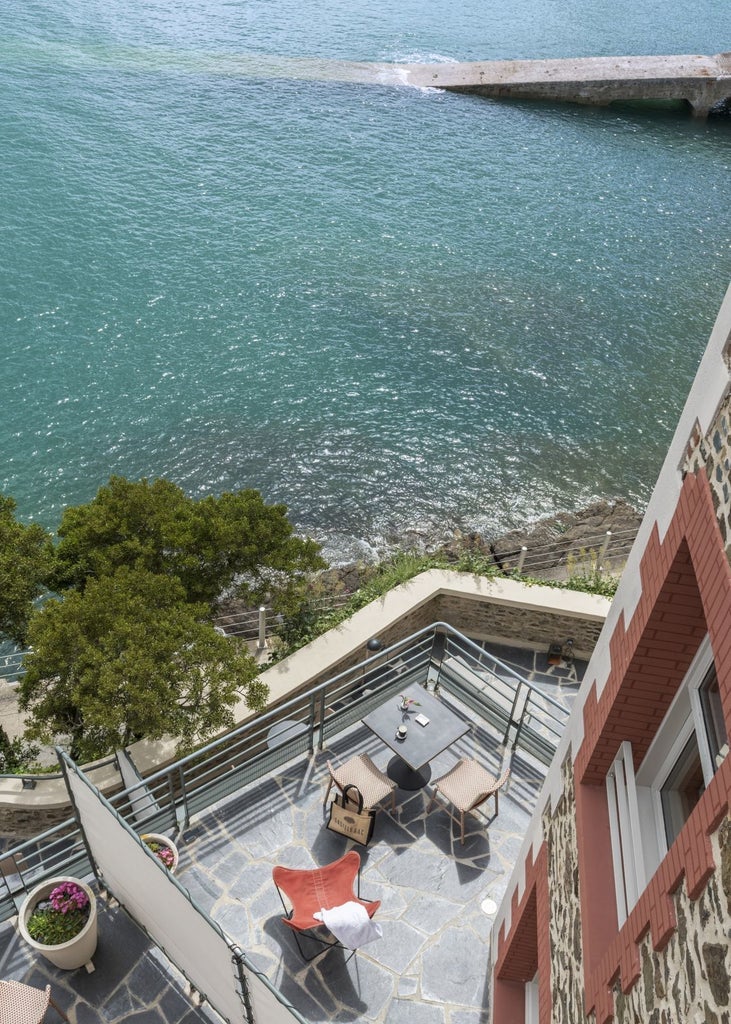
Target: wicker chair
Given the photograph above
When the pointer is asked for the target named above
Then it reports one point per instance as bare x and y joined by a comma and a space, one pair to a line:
25, 1004
360, 771
312, 890
467, 786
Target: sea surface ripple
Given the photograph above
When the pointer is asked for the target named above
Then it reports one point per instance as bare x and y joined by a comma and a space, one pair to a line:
230, 259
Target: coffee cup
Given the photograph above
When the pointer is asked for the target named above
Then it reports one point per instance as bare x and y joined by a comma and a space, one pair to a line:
401, 732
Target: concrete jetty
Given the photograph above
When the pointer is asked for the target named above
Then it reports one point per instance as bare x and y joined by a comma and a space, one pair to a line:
702, 82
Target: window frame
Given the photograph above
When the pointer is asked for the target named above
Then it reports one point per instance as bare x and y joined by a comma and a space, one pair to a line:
531, 1001
636, 818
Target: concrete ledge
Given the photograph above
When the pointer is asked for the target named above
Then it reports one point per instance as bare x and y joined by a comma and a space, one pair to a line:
701, 81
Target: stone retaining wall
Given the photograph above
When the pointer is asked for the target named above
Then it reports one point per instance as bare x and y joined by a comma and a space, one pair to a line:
522, 626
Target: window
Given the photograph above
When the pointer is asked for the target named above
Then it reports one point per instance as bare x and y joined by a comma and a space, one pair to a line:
682, 790
647, 809
709, 696
624, 824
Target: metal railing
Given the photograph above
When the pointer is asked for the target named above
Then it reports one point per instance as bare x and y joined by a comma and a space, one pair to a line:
11, 665
601, 552
437, 656
248, 624
596, 553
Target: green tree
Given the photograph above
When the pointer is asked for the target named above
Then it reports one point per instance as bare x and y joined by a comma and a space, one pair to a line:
25, 562
128, 657
208, 545
16, 755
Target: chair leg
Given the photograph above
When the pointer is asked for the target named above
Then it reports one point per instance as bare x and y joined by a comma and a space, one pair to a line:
393, 801
313, 938
58, 1009
461, 828
327, 791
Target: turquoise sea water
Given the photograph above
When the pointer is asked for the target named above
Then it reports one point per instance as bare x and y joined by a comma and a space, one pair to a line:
382, 306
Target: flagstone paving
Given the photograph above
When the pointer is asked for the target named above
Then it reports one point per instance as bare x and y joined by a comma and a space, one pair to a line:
432, 964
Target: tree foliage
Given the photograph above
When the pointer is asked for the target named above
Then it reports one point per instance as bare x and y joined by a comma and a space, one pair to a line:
124, 649
206, 544
16, 755
25, 562
128, 657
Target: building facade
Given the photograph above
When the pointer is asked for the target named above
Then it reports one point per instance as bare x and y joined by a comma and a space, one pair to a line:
620, 909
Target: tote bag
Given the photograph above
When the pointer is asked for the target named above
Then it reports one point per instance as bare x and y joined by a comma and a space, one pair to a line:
348, 818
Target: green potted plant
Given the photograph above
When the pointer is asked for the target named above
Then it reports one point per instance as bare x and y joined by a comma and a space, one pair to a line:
164, 849
58, 918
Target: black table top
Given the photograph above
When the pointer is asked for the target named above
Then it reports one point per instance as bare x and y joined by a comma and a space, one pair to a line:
422, 742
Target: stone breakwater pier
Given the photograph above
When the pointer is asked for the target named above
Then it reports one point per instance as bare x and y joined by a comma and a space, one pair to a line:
702, 82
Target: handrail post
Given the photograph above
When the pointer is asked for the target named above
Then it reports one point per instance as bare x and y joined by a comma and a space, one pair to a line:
436, 657
184, 798
311, 729
603, 551
521, 559
522, 719
262, 642
511, 716
321, 743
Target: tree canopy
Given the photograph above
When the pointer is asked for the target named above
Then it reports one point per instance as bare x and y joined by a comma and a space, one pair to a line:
128, 657
125, 648
206, 544
25, 561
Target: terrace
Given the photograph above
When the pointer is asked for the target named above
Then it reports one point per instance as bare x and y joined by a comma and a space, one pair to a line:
251, 802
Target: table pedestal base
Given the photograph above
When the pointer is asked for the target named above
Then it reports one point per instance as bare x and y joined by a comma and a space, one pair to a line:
405, 777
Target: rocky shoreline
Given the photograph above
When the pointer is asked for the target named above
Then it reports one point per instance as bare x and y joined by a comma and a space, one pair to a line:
573, 538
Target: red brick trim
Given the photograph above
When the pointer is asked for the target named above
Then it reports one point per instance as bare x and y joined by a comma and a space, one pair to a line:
690, 858
526, 948
686, 591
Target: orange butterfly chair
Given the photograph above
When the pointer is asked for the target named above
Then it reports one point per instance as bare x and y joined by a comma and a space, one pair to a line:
311, 890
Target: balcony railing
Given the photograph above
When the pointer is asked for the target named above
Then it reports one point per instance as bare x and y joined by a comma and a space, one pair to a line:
438, 657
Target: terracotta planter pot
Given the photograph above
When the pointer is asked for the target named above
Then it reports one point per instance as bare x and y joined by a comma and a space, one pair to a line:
77, 952
155, 837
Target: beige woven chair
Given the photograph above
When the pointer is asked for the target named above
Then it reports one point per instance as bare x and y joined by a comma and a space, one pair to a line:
25, 1004
467, 786
360, 771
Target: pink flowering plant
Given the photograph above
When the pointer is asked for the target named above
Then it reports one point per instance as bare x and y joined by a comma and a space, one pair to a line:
162, 852
60, 917
408, 702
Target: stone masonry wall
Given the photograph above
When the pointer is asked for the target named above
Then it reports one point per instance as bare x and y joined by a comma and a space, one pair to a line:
688, 981
712, 454
481, 619
567, 979
489, 620
26, 822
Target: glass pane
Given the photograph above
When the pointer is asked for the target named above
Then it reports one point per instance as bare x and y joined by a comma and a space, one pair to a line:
710, 696
682, 790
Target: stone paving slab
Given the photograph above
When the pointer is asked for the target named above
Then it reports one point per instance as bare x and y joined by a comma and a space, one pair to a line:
132, 981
